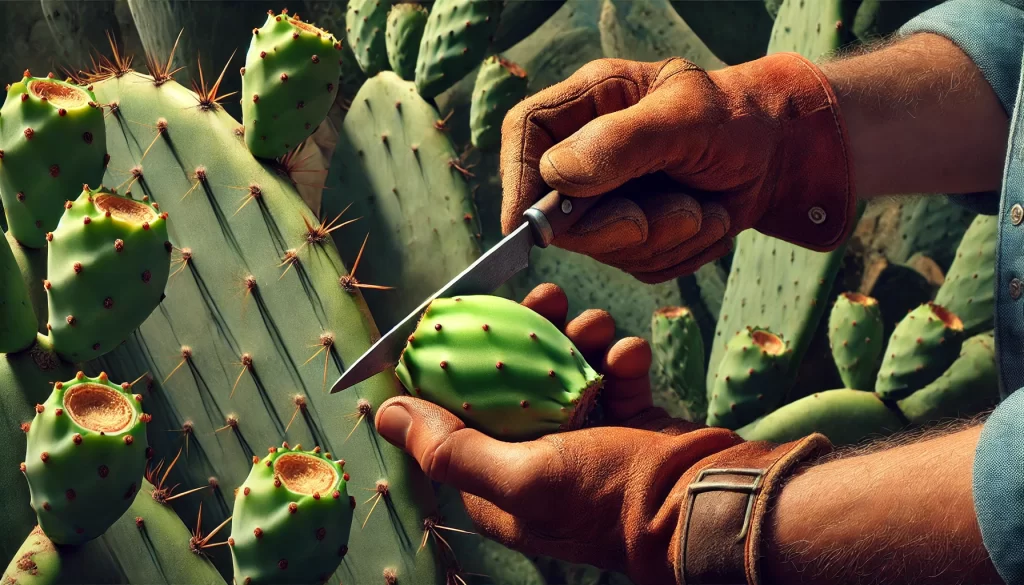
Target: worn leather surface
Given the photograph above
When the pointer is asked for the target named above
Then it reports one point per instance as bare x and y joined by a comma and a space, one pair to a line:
610, 496
759, 145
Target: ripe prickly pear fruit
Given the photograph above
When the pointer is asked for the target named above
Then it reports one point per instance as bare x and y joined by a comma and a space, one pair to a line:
679, 360
366, 24
500, 84
86, 457
921, 347
499, 366
404, 31
855, 335
291, 518
751, 379
52, 139
108, 263
454, 42
289, 82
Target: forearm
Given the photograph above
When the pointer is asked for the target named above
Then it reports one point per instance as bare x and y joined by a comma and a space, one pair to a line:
921, 118
901, 515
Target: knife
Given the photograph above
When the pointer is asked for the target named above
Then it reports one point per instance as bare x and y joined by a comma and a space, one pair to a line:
548, 218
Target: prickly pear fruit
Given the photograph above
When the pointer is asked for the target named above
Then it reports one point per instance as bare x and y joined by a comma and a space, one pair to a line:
500, 84
456, 38
499, 366
291, 518
404, 32
108, 263
750, 380
289, 82
856, 337
86, 457
969, 289
366, 24
921, 347
37, 562
844, 416
679, 359
52, 140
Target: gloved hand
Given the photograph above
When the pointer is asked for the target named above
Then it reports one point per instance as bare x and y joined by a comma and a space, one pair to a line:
759, 145
610, 496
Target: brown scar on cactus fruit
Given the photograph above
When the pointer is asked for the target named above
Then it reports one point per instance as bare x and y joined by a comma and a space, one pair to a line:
199, 542
98, 408
124, 209
380, 491
325, 343
363, 409
349, 283
159, 70
947, 317
246, 363
768, 342
304, 474
162, 493
300, 405
859, 299
209, 97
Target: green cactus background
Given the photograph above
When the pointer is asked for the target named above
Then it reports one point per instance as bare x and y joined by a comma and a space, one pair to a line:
266, 267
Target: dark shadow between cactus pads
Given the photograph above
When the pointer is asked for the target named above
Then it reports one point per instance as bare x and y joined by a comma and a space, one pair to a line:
500, 367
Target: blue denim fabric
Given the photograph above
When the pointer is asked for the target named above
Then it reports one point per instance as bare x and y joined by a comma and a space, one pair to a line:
991, 32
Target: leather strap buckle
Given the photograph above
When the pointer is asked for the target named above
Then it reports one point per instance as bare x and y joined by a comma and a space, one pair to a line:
698, 487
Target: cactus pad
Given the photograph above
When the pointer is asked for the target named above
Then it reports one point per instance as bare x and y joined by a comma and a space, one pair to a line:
855, 333
289, 82
454, 42
366, 24
292, 518
844, 416
679, 361
500, 84
921, 347
52, 140
85, 458
17, 319
750, 379
969, 386
499, 366
109, 259
969, 289
404, 33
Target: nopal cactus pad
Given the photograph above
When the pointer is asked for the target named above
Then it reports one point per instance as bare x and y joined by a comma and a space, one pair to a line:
85, 458
454, 42
52, 140
404, 33
679, 360
366, 25
855, 333
109, 259
499, 366
921, 347
500, 84
969, 289
289, 82
751, 379
291, 518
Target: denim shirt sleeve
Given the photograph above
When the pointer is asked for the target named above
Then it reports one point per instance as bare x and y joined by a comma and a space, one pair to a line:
991, 32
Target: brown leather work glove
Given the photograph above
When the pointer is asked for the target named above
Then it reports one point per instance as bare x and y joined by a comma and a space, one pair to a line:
759, 145
613, 496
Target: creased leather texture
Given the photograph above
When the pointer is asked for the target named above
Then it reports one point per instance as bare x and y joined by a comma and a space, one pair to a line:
609, 496
759, 145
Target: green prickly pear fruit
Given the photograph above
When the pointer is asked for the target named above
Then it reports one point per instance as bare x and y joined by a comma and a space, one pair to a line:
921, 347
845, 416
500, 84
456, 38
678, 352
855, 335
969, 386
499, 366
52, 139
37, 562
289, 82
970, 285
366, 24
750, 380
108, 262
291, 518
86, 457
404, 32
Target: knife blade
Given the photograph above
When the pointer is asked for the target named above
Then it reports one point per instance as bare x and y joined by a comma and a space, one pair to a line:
549, 217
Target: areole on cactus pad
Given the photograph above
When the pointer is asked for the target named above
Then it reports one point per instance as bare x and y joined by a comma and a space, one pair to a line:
499, 366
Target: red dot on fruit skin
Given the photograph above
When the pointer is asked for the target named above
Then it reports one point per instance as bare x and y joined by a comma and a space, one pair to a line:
345, 477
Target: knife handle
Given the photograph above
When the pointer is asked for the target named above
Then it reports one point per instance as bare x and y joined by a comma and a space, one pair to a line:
554, 214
